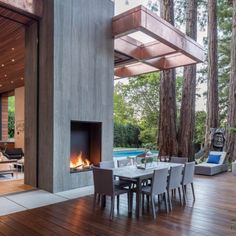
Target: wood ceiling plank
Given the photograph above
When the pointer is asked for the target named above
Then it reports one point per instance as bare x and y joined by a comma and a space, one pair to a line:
12, 54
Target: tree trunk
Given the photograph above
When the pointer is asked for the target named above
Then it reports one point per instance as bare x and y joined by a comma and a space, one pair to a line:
212, 96
167, 120
231, 137
187, 112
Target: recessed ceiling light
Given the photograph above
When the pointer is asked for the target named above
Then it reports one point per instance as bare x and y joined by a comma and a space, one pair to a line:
22, 78
12, 82
0, 85
12, 49
12, 59
2, 65
5, 75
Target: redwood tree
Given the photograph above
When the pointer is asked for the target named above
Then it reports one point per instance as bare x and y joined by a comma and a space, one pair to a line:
187, 112
231, 137
212, 95
167, 120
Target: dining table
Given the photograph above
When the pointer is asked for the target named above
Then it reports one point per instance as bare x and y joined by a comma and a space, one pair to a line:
138, 175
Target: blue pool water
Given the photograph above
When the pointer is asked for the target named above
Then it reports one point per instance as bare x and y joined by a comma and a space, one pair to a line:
129, 153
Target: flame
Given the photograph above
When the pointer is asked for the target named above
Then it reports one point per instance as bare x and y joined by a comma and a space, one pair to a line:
78, 162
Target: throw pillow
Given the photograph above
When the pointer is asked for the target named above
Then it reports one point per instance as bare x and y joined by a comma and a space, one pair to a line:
214, 159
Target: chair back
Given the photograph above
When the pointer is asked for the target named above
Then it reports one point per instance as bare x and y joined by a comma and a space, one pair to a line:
124, 162
103, 181
159, 181
164, 158
188, 173
181, 160
107, 164
175, 177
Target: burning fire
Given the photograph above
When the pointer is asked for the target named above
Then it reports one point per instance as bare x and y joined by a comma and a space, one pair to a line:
78, 162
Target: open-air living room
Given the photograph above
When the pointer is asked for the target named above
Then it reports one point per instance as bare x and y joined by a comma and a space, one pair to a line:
117, 117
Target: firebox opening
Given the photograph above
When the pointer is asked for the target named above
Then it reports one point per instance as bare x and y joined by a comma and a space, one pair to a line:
85, 145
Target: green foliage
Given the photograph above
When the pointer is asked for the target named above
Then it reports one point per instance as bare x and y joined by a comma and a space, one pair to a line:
232, 130
123, 112
11, 117
224, 53
11, 104
200, 127
137, 102
126, 135
148, 137
11, 124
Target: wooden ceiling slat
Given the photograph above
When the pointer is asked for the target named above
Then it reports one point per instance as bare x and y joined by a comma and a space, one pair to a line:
12, 47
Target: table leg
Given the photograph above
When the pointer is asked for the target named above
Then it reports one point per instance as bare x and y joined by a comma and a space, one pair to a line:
138, 197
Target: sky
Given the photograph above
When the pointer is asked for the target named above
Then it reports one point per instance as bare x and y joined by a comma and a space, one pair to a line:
124, 5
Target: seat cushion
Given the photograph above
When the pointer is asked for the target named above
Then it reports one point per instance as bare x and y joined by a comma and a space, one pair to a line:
5, 167
210, 169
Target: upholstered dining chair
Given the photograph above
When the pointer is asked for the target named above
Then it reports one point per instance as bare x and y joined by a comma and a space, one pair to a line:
181, 160
124, 162
159, 186
188, 175
104, 186
174, 182
107, 164
110, 165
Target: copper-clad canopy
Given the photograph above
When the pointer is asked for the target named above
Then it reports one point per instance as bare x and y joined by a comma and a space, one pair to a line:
144, 43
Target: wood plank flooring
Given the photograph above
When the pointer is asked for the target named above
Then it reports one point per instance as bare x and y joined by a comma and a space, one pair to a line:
13, 186
213, 213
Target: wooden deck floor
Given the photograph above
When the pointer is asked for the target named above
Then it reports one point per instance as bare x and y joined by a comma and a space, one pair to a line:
13, 186
213, 213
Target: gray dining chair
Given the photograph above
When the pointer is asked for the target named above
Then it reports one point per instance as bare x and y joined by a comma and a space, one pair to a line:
188, 176
104, 186
107, 164
181, 160
124, 162
159, 186
121, 182
164, 158
174, 182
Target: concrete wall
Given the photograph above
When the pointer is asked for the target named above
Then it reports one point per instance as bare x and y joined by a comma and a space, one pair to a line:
19, 117
80, 86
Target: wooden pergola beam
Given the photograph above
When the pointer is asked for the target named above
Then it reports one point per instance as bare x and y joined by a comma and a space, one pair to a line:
170, 47
28, 7
172, 61
134, 70
133, 48
142, 19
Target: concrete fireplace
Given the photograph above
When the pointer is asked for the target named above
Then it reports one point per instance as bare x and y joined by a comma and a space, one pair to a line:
76, 79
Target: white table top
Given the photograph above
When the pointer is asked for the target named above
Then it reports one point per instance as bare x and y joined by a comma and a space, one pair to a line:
133, 172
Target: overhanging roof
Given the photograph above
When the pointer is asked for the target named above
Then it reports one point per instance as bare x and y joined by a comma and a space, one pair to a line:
144, 43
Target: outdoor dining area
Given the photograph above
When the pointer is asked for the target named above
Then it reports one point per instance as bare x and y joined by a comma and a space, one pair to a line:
147, 179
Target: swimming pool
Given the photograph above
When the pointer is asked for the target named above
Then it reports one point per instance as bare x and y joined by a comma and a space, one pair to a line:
129, 153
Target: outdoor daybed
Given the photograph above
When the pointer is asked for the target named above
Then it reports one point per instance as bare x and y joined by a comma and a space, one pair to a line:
212, 168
